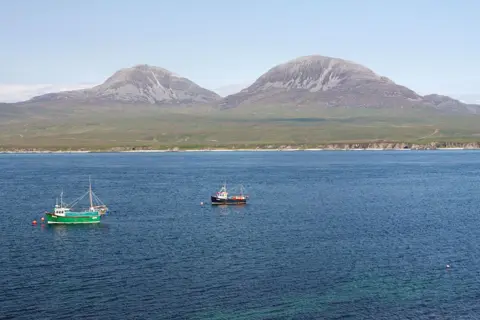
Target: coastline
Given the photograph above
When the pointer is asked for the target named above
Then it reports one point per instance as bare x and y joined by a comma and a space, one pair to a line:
270, 148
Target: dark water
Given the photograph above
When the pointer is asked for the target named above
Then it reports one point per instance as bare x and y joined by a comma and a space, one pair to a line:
327, 235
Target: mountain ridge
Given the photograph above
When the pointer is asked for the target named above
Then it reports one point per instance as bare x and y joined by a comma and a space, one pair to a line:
333, 82
308, 80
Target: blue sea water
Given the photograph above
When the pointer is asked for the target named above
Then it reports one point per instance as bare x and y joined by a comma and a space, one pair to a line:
326, 235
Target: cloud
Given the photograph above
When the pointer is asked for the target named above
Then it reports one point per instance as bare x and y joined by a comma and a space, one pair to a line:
231, 89
22, 92
467, 97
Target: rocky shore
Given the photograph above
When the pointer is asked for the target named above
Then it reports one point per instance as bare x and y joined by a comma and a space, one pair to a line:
270, 147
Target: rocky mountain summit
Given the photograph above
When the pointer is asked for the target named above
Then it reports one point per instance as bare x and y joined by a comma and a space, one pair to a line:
138, 84
333, 82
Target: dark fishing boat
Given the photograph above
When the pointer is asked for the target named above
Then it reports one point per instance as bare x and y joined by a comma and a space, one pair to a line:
222, 197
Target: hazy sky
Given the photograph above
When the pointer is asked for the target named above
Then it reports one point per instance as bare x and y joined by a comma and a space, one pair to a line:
427, 45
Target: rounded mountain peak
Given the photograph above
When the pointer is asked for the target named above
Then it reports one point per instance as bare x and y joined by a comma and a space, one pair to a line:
149, 68
151, 84
334, 67
315, 73
142, 74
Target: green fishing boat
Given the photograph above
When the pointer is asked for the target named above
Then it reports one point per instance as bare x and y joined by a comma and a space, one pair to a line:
66, 214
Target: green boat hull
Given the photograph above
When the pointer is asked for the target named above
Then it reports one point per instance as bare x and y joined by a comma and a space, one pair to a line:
54, 219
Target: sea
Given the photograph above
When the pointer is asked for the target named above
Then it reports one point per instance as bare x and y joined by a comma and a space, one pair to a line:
325, 235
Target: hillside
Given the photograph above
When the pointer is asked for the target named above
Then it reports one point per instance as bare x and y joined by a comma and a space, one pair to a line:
186, 127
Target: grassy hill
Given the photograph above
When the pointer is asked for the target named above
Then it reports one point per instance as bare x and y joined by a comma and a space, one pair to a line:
188, 127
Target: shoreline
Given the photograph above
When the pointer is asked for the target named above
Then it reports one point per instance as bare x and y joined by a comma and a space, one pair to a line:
229, 150
339, 146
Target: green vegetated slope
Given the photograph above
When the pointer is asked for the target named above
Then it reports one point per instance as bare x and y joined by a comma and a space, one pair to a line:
246, 126
133, 108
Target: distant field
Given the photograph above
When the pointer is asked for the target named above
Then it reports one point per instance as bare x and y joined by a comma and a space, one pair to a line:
241, 127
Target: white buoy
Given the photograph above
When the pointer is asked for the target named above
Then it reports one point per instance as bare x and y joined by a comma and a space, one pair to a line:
448, 266
201, 203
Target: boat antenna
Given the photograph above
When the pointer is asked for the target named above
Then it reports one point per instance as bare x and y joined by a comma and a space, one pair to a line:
61, 198
90, 191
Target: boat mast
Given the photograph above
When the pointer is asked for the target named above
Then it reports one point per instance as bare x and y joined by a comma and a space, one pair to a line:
61, 199
90, 192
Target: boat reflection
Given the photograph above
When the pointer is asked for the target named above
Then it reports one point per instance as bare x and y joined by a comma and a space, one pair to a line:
64, 230
225, 209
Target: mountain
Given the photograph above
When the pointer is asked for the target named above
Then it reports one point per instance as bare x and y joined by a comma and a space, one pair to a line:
332, 82
447, 103
314, 80
139, 84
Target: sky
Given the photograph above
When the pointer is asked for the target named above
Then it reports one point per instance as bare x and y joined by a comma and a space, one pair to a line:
50, 45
